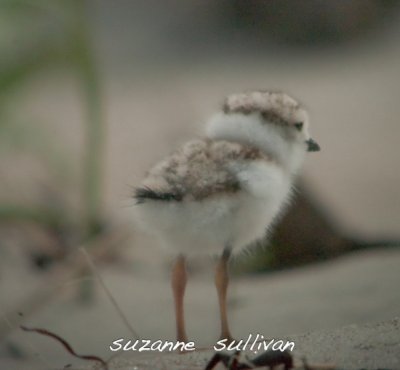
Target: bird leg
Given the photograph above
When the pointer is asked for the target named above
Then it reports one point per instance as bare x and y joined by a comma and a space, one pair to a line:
221, 283
178, 282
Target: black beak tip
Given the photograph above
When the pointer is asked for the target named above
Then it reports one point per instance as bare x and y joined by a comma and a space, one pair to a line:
312, 146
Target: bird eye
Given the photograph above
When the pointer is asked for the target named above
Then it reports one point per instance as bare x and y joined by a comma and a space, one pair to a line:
298, 125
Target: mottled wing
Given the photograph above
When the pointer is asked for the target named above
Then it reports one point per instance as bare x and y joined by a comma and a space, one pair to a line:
200, 169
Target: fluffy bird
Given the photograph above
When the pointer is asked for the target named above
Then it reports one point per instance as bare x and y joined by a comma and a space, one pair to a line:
222, 192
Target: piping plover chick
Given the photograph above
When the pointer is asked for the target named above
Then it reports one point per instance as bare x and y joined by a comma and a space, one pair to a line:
222, 192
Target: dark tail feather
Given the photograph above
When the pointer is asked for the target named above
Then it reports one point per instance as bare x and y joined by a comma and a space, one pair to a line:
143, 194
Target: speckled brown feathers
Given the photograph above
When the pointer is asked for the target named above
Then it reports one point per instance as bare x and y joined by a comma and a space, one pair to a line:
274, 107
200, 169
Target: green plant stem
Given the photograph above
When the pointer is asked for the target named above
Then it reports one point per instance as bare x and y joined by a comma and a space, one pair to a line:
94, 131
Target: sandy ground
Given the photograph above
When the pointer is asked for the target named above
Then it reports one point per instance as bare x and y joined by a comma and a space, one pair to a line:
359, 290
371, 346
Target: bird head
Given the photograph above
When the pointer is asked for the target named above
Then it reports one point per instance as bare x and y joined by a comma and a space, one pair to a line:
270, 120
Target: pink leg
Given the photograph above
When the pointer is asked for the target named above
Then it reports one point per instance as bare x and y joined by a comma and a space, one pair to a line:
178, 282
221, 283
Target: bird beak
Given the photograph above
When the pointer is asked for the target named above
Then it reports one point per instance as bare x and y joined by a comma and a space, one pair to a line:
312, 146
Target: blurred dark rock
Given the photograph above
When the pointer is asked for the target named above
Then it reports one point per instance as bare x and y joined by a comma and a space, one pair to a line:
306, 233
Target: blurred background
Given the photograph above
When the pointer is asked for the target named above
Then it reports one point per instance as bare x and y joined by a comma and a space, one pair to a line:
92, 93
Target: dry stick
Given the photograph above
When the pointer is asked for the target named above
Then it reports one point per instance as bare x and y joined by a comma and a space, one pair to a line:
62, 273
66, 345
96, 272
